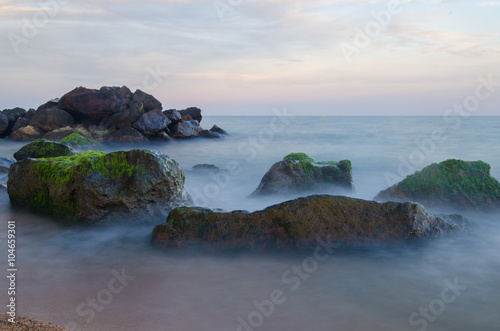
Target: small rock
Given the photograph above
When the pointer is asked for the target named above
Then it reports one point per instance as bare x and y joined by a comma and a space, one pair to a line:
43, 149
127, 134
59, 134
194, 112
27, 133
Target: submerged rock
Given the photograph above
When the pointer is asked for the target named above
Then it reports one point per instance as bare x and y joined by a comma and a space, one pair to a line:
96, 187
42, 148
299, 172
456, 184
301, 223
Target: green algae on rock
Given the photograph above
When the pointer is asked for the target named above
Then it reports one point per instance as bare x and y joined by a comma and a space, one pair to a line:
300, 223
96, 187
456, 184
42, 148
77, 140
299, 172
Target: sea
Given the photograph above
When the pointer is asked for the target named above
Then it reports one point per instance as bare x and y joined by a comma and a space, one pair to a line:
111, 278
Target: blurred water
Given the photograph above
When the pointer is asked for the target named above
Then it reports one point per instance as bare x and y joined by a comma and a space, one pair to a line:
371, 289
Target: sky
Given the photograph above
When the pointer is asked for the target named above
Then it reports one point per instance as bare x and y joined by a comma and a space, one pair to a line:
248, 57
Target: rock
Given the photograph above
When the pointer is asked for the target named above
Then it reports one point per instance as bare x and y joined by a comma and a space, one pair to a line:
298, 172
94, 187
134, 111
50, 104
301, 223
186, 129
42, 148
21, 123
152, 123
187, 118
93, 105
4, 125
149, 102
82, 130
119, 120
455, 184
173, 115
29, 115
52, 119
125, 91
127, 134
194, 112
98, 133
206, 167
59, 133
76, 140
27, 133
14, 114
161, 136
218, 130
208, 134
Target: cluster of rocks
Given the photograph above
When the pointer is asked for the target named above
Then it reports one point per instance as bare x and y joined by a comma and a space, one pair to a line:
110, 114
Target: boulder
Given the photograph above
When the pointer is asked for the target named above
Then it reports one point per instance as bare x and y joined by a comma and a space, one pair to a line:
186, 129
186, 118
51, 119
4, 125
149, 102
299, 172
42, 148
303, 223
205, 166
29, 115
93, 105
95, 187
82, 130
208, 134
194, 112
49, 104
152, 122
126, 134
59, 134
27, 133
173, 115
21, 123
452, 184
5, 165
218, 130
78, 141
14, 114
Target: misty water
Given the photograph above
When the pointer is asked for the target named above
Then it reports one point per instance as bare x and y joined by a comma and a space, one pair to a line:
456, 279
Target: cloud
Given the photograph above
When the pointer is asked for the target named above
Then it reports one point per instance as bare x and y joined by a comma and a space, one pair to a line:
489, 3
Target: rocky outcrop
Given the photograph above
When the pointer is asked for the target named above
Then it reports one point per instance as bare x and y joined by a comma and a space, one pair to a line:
299, 172
452, 184
51, 119
76, 140
302, 223
94, 187
43, 149
109, 114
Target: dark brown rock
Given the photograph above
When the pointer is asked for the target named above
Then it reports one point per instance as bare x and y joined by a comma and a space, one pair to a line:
218, 130
126, 134
20, 123
52, 119
93, 105
186, 129
194, 112
59, 134
27, 133
148, 101
302, 223
152, 122
4, 125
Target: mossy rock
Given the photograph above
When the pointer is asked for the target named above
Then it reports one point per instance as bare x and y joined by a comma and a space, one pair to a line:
42, 148
96, 187
299, 172
303, 223
77, 140
455, 184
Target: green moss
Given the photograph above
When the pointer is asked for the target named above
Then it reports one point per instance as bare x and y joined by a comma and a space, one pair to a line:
301, 157
76, 139
452, 177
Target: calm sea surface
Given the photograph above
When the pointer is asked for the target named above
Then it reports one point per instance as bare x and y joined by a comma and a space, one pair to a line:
109, 278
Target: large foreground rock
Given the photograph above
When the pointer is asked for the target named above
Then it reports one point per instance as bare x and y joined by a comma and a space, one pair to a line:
454, 184
95, 187
301, 223
299, 172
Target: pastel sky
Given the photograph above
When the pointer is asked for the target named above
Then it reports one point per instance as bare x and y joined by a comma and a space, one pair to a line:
246, 57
